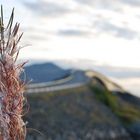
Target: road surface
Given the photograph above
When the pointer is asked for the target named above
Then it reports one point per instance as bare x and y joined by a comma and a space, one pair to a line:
76, 79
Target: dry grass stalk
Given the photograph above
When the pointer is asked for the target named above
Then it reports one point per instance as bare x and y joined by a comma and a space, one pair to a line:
12, 126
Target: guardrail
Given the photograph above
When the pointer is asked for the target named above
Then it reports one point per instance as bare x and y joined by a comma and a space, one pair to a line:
52, 83
108, 83
62, 84
54, 88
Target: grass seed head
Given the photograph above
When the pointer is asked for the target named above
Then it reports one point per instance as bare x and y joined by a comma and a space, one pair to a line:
12, 87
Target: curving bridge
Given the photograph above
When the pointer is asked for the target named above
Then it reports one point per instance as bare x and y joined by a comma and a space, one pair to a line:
76, 79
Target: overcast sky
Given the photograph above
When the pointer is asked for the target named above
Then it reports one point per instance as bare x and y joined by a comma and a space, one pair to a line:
103, 34
104, 31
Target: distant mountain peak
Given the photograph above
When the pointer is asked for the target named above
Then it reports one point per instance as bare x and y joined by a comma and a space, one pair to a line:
45, 72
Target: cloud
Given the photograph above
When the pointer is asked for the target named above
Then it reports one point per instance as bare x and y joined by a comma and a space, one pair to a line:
109, 2
131, 2
103, 4
118, 72
102, 25
46, 8
85, 1
72, 32
107, 27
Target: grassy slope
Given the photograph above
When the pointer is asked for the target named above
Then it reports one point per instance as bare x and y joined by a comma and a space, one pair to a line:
78, 110
125, 110
75, 110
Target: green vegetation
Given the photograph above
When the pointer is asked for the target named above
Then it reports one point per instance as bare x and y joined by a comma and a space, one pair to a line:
106, 97
78, 111
127, 112
72, 110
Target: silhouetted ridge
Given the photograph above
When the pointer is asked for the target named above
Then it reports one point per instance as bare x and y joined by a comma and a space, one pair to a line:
45, 72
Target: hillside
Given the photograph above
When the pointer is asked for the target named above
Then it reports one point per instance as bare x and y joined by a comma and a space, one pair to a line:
85, 113
45, 72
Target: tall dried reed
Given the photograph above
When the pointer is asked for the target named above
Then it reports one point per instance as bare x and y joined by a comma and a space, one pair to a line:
12, 87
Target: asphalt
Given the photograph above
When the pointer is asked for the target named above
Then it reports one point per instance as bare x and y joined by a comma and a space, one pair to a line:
78, 78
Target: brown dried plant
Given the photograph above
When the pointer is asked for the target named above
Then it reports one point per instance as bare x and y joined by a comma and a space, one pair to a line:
12, 87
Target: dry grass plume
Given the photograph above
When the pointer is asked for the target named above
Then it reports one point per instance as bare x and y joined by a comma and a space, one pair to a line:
12, 87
